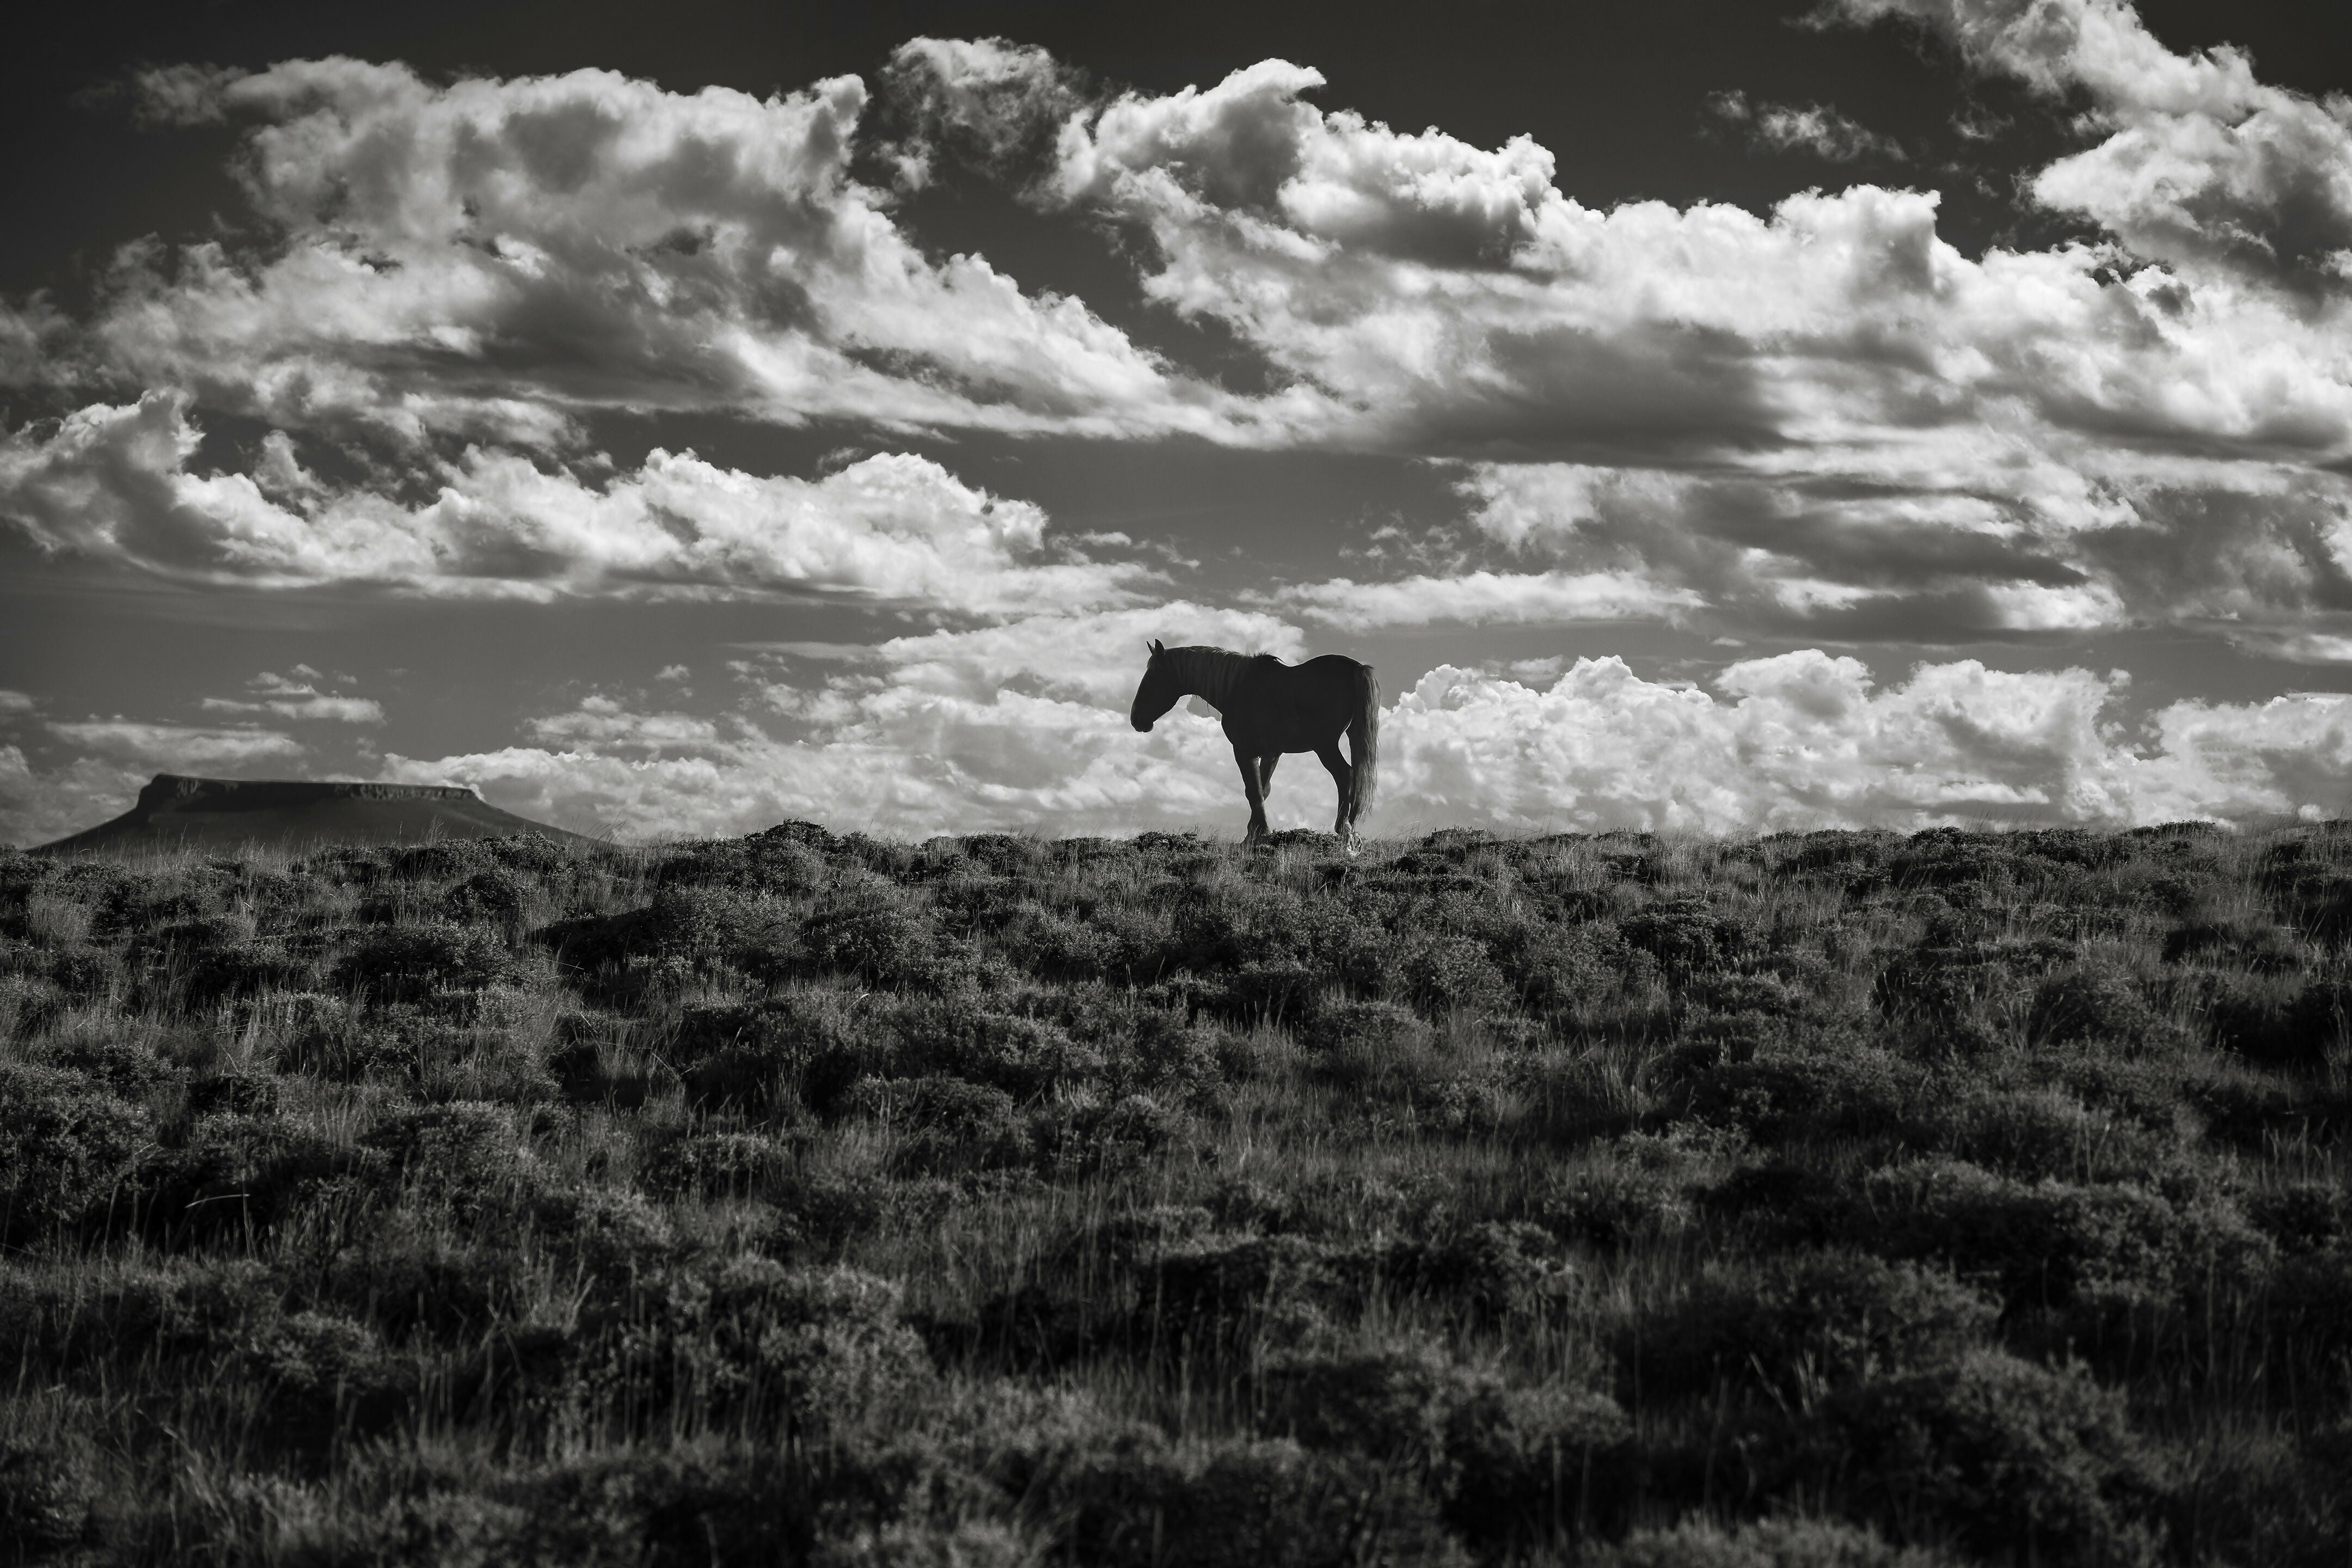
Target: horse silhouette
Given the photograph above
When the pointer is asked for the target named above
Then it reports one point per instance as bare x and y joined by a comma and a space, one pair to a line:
1270, 707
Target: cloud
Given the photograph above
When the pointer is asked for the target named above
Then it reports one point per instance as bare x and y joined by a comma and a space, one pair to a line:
176, 747
1975, 537
37, 806
298, 699
2203, 165
15, 703
1820, 420
997, 730
115, 483
1818, 129
496, 258
1487, 598
1805, 740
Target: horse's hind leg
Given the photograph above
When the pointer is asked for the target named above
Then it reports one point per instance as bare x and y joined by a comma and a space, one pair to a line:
1266, 772
1251, 787
1343, 827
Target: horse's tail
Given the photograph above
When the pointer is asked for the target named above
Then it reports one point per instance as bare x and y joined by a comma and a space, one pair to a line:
1364, 742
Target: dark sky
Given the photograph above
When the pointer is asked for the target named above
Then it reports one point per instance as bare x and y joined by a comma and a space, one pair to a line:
2034, 467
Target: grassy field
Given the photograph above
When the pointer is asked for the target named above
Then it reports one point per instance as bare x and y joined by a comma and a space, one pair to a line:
1836, 1198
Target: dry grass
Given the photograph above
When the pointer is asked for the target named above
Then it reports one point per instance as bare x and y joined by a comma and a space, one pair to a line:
1836, 1198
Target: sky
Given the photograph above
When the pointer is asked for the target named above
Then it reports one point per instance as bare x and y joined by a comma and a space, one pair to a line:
1729, 417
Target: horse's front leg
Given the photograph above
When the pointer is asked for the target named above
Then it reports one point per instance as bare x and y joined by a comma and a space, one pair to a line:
1253, 787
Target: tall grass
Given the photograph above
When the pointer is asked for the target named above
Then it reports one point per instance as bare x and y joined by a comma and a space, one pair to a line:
1827, 1198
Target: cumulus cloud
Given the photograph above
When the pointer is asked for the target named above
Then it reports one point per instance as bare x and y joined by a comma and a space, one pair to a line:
1847, 425
115, 483
493, 257
1819, 128
1488, 598
2204, 165
37, 806
914, 741
1820, 420
297, 698
177, 747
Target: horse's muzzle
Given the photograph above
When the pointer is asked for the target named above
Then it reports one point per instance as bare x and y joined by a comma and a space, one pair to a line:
1144, 725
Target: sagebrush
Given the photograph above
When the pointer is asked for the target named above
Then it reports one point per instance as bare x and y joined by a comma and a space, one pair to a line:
1828, 1198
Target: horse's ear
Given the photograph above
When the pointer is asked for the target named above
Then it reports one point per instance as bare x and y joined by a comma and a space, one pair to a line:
1156, 649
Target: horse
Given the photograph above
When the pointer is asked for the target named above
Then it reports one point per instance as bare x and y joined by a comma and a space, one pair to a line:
1270, 707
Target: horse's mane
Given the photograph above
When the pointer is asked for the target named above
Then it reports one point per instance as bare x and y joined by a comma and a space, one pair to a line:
1209, 671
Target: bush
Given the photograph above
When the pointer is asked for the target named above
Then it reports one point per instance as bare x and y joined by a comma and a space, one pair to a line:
713, 1164
1492, 1268
2094, 1003
2037, 1244
2006, 1458
1685, 935
467, 1153
1215, 1289
1373, 1047
870, 931
49, 1493
66, 1147
408, 963
1441, 974
1800, 1327
1151, 1503
821, 1350
240, 1173
1764, 1543
494, 896
944, 1124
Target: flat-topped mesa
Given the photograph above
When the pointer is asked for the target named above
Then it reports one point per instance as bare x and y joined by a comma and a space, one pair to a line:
177, 812
181, 792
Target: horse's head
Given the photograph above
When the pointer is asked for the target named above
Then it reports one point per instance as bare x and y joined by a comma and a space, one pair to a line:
1157, 692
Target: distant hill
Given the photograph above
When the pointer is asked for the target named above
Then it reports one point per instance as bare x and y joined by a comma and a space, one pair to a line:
175, 812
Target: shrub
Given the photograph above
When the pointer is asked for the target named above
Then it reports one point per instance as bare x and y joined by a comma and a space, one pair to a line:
1148, 1503
1024, 1057
1531, 1463
1376, 1046
248, 1172
2304, 1217
123, 1066
64, 1146
1389, 1405
1685, 935
1086, 1137
713, 1164
1802, 1326
1556, 968
1214, 1289
946, 1124
1764, 1543
2094, 1003
2289, 1031
1493, 1268
870, 931
2034, 1244
1791, 1092
2007, 1457
1440, 973
50, 1492
820, 1348
467, 1153
493, 895
408, 962
322, 1373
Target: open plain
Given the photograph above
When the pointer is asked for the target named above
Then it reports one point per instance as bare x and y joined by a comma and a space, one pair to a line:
1837, 1198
